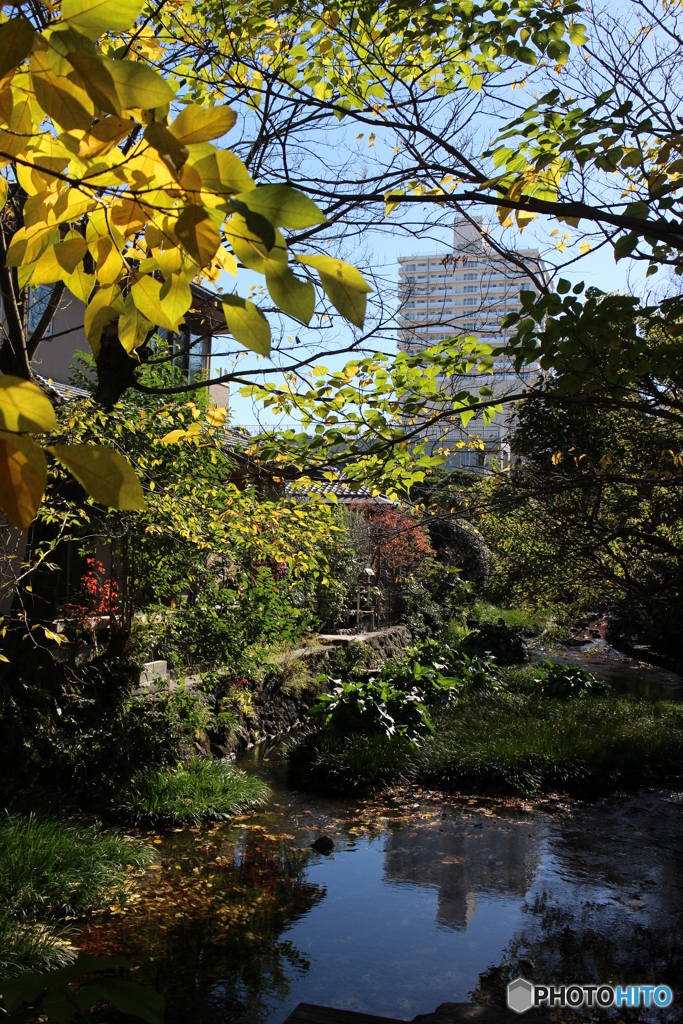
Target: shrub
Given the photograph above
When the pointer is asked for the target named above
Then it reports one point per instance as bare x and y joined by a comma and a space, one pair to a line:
569, 681
347, 763
374, 706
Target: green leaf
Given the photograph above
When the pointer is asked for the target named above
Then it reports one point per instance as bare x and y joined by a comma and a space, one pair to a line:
104, 474
282, 206
247, 324
291, 295
118, 85
126, 996
26, 987
578, 34
23, 473
563, 286
625, 245
94, 17
16, 41
201, 124
344, 285
24, 407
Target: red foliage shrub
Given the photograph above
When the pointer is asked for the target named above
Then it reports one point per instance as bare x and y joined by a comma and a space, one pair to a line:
397, 541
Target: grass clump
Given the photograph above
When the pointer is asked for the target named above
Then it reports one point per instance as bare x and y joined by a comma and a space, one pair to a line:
532, 620
49, 871
52, 869
502, 742
194, 792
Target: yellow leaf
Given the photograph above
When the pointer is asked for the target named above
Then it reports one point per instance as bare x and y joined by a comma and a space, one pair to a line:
133, 325
174, 436
104, 306
247, 324
80, 284
198, 234
216, 416
104, 474
201, 124
129, 216
584, 248
94, 17
24, 407
163, 304
103, 136
59, 261
172, 152
29, 242
344, 285
62, 99
23, 472
16, 39
524, 217
108, 261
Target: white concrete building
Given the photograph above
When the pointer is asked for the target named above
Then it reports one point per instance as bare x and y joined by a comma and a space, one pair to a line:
461, 293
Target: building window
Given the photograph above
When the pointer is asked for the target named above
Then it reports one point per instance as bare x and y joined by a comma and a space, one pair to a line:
37, 304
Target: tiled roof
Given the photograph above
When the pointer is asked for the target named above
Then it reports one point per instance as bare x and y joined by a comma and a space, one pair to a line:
343, 493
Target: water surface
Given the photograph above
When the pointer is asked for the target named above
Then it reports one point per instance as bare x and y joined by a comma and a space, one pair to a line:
424, 900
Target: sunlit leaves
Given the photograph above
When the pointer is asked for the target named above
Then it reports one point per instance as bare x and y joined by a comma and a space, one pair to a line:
24, 407
291, 294
247, 324
104, 474
198, 234
282, 206
163, 303
23, 473
344, 285
93, 17
202, 124
16, 39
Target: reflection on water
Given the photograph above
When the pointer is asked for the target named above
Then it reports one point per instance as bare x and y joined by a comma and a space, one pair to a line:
464, 861
424, 900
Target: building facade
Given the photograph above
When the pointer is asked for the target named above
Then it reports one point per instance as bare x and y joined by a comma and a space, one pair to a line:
461, 293
56, 357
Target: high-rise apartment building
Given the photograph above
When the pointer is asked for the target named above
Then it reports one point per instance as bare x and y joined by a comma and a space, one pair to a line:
466, 292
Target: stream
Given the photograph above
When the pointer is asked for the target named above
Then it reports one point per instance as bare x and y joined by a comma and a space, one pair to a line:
425, 899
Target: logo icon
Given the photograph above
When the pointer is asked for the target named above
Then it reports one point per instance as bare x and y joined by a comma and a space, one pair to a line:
520, 995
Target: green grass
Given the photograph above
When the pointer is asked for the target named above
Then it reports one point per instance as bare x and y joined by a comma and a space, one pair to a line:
535, 619
197, 791
514, 743
51, 870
